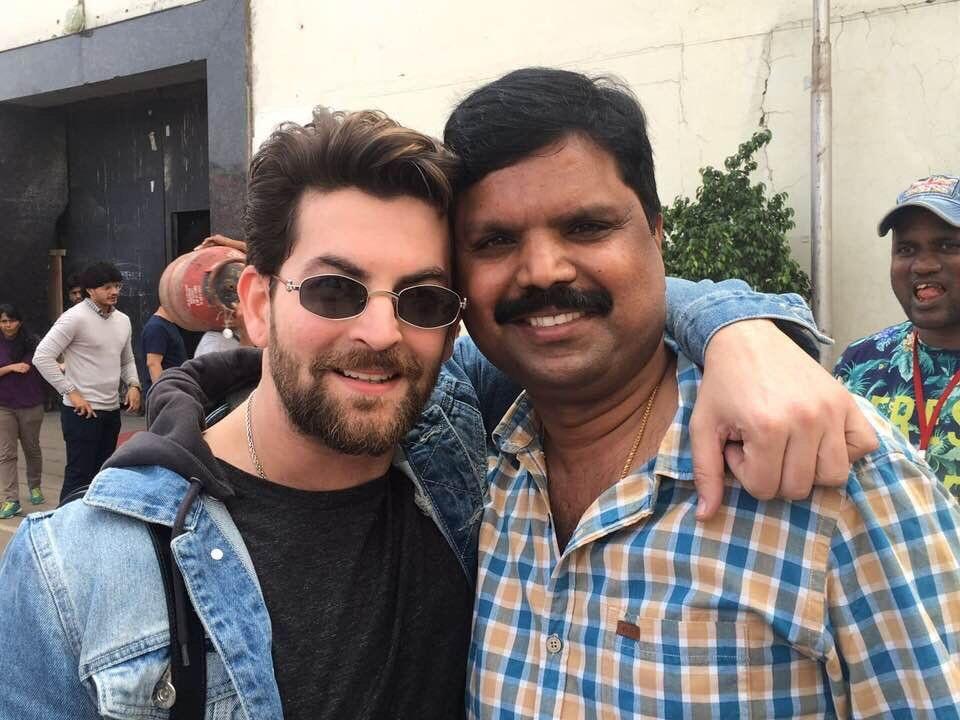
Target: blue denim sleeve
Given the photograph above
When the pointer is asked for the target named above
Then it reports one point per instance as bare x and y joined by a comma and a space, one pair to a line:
40, 668
495, 392
697, 310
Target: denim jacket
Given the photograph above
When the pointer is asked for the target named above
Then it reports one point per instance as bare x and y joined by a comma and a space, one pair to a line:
86, 632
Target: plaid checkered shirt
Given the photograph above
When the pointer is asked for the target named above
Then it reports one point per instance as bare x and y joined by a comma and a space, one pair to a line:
846, 604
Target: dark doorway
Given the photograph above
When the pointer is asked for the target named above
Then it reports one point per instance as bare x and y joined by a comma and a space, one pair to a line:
137, 165
138, 187
104, 73
189, 228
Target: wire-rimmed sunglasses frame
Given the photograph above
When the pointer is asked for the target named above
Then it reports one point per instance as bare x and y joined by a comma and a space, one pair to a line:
293, 285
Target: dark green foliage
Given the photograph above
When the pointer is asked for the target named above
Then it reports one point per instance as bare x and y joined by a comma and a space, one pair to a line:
733, 230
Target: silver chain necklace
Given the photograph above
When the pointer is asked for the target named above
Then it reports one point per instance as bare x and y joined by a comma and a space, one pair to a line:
254, 458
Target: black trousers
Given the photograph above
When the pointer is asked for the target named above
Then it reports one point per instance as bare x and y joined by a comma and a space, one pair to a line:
89, 442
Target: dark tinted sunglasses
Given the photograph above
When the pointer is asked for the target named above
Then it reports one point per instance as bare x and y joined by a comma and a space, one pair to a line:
338, 297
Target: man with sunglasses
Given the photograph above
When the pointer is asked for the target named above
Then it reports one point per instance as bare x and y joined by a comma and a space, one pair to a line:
313, 525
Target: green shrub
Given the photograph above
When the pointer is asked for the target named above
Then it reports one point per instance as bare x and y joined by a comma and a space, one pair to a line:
733, 229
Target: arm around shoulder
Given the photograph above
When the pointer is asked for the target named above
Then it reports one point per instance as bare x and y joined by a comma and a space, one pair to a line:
41, 675
697, 310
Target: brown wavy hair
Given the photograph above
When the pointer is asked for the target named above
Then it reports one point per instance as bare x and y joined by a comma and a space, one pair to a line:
365, 150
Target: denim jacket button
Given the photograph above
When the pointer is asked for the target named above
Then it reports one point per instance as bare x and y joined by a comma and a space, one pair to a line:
164, 694
216, 554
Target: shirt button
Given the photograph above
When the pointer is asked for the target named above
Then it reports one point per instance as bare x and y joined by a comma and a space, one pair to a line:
554, 644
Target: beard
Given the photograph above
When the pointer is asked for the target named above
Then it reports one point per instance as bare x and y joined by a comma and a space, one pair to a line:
355, 426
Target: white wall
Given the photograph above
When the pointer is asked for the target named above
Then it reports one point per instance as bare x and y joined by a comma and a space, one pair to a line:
25, 22
706, 72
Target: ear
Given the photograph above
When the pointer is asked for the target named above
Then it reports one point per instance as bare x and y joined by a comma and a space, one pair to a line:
254, 306
453, 332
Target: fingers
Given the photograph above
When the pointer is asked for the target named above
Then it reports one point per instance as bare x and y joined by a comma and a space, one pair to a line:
85, 411
833, 463
797, 425
708, 471
860, 437
759, 462
133, 400
800, 463
815, 449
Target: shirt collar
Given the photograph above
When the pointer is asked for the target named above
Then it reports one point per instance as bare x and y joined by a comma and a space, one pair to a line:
520, 429
96, 308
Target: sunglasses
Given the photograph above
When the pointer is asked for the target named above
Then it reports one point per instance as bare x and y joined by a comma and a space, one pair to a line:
338, 297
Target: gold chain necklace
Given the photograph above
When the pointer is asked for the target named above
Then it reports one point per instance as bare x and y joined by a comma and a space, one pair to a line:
643, 426
248, 422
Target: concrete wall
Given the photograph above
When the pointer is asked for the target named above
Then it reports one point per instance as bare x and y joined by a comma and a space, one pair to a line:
30, 21
193, 41
707, 71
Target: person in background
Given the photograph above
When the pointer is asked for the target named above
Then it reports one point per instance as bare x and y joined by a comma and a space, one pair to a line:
74, 295
234, 334
94, 339
162, 344
229, 338
916, 364
21, 410
74, 289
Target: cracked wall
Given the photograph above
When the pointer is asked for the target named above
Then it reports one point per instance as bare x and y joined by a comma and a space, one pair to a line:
707, 71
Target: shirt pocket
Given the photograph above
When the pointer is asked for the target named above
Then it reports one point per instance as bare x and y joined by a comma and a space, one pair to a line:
707, 665
126, 690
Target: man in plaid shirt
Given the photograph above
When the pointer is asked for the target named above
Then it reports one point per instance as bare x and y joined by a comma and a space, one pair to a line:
598, 592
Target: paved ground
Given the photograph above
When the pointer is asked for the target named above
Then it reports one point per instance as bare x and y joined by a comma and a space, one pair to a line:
51, 441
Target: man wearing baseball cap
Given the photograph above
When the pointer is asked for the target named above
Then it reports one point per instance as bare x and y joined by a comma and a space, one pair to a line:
916, 364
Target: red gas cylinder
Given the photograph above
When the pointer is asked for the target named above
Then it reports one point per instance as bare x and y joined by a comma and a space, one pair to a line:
199, 288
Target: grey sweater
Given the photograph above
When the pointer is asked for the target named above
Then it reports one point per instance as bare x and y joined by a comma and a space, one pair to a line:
96, 351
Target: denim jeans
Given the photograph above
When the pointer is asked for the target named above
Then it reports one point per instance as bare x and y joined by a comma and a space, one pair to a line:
89, 442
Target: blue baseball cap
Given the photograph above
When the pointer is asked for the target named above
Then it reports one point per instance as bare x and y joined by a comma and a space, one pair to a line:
940, 194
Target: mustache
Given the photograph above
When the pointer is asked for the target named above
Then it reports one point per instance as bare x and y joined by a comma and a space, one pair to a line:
390, 362
559, 296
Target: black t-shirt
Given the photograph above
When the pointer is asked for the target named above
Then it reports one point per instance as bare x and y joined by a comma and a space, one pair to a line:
162, 337
370, 609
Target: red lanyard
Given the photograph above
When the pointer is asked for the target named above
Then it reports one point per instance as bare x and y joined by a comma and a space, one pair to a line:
926, 427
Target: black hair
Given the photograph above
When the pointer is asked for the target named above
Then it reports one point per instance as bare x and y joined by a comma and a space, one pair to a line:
99, 273
73, 281
24, 343
526, 110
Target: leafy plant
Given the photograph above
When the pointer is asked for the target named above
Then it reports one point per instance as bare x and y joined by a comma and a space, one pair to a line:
733, 229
